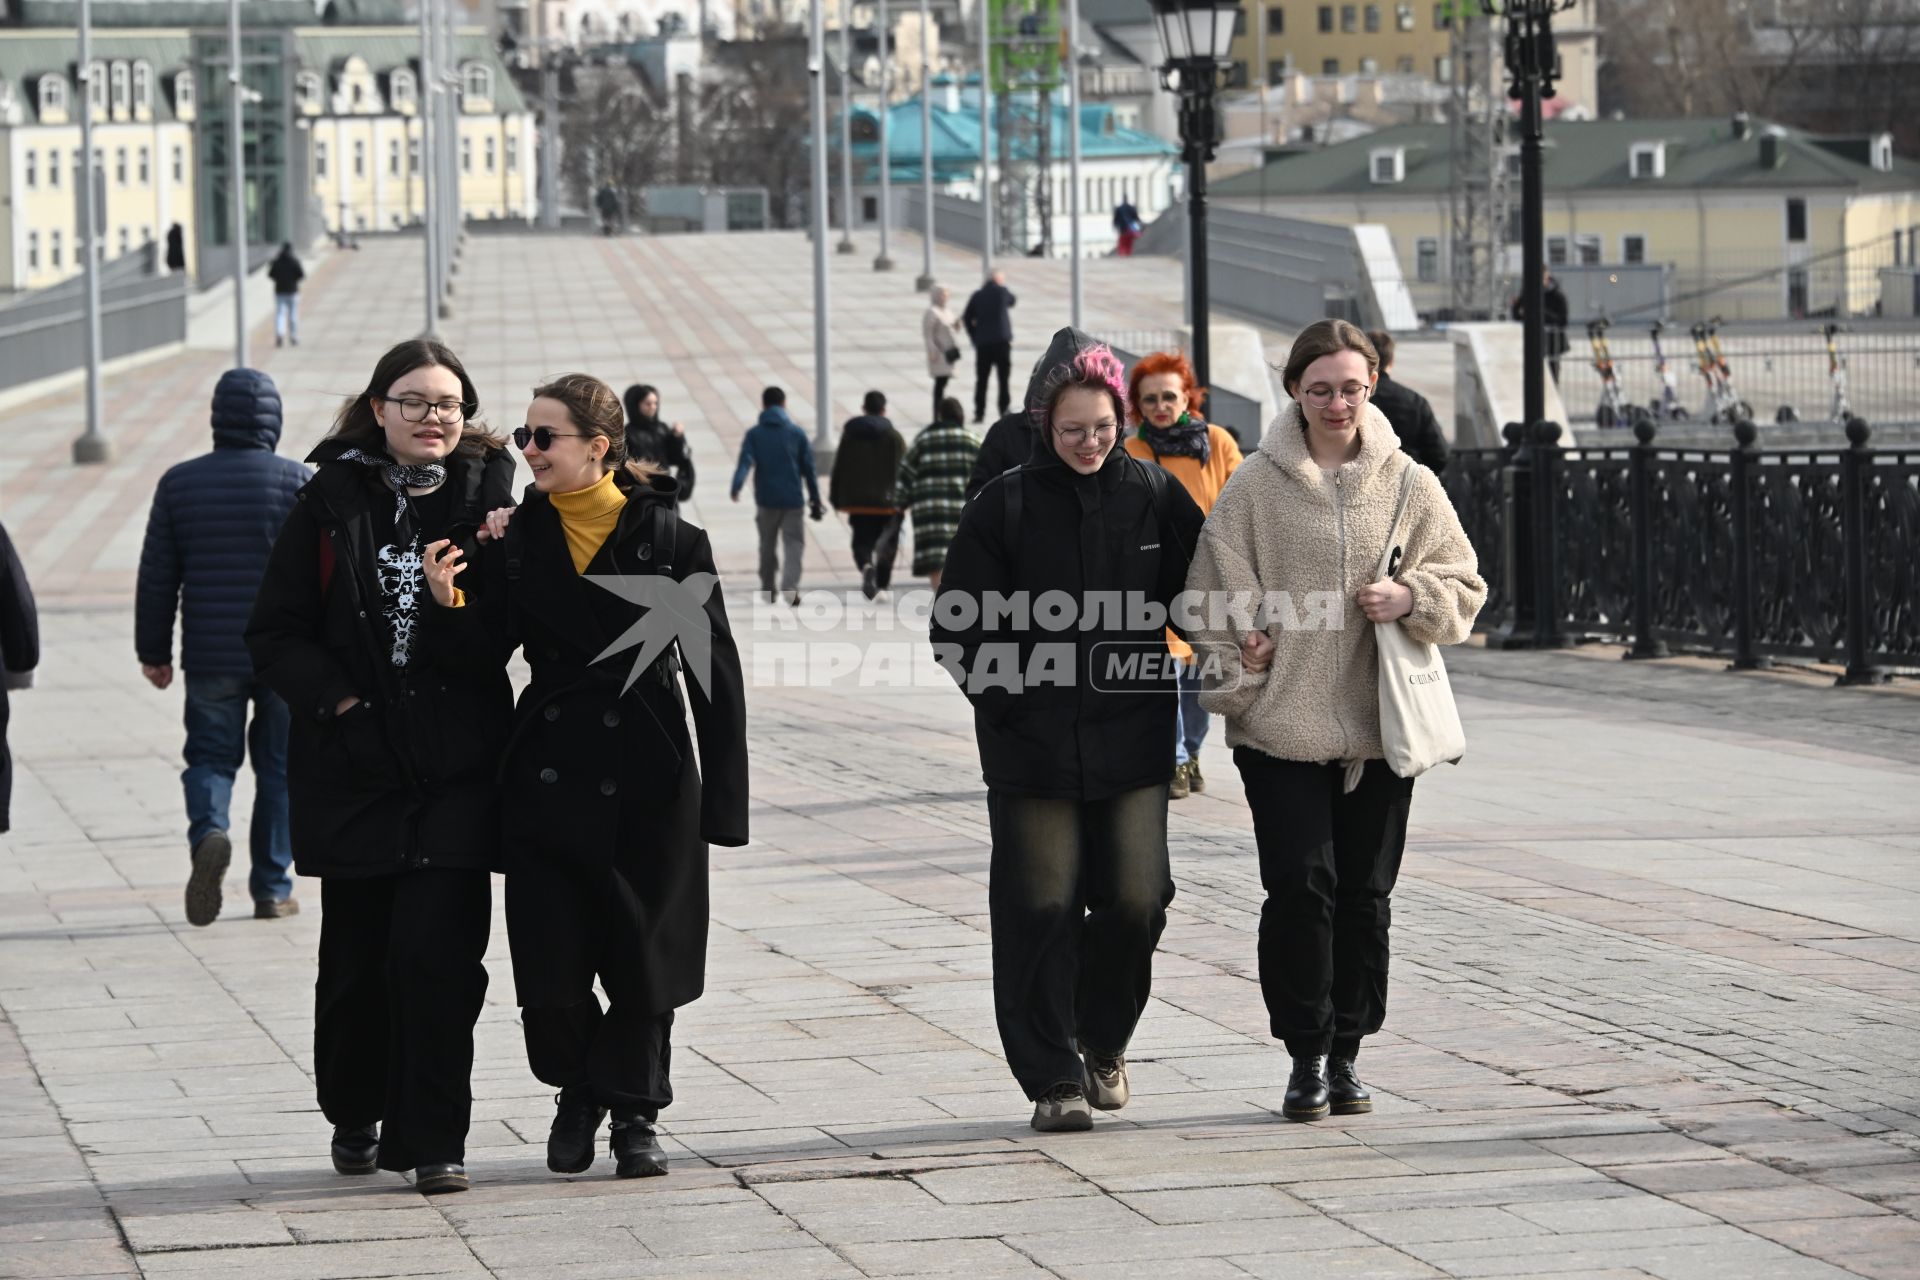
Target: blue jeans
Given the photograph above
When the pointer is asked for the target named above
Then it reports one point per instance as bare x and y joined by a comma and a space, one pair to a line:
286, 316
218, 738
1190, 725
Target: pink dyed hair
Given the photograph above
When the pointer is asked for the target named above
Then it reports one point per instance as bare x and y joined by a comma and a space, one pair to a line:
1096, 367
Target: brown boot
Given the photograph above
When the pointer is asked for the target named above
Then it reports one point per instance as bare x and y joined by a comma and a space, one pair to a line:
1181, 785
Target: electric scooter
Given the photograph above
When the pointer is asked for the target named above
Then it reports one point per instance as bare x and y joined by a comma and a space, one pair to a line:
1612, 411
1724, 404
1668, 407
1837, 371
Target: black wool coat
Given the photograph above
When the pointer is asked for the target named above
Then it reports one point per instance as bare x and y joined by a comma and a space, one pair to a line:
1127, 530
599, 777
406, 778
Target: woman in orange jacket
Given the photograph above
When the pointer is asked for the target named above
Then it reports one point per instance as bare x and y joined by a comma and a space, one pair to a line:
1164, 399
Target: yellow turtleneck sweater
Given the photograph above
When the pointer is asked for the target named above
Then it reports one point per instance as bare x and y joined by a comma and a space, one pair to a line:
588, 517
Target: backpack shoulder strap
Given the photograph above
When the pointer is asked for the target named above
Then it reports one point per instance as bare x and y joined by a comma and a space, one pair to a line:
1015, 485
662, 522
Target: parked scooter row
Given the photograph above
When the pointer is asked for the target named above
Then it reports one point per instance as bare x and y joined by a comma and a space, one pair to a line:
1724, 404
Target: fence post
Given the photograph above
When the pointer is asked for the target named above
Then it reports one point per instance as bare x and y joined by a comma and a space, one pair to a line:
1853, 542
1640, 509
1516, 485
1740, 480
1546, 543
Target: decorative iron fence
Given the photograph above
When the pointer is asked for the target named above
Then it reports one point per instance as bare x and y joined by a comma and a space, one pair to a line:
1800, 554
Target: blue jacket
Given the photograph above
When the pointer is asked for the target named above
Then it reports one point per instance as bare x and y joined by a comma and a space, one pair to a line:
213, 522
777, 452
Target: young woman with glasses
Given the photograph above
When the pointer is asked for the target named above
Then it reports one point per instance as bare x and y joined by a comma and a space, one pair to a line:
1301, 527
1072, 709
390, 759
606, 817
1164, 398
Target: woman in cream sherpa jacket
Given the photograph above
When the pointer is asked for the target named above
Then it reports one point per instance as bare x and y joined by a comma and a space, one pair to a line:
1300, 529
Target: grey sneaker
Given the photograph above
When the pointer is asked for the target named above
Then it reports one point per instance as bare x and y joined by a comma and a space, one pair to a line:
269, 909
1063, 1109
210, 859
1106, 1081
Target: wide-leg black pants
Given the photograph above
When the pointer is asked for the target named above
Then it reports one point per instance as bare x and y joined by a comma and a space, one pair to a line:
1328, 862
568, 926
1078, 896
400, 987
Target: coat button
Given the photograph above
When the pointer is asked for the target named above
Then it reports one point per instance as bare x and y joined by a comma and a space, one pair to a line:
611, 719
552, 712
608, 786
549, 775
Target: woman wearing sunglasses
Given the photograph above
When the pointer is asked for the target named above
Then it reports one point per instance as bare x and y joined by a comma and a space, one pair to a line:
606, 818
1302, 527
390, 760
1164, 399
1072, 714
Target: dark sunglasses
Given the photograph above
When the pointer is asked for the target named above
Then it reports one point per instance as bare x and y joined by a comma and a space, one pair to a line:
542, 437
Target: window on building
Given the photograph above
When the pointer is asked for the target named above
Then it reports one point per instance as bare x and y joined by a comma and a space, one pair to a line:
1329, 66
1369, 66
53, 95
413, 155
393, 157
359, 157
1586, 250
1277, 71
122, 93
183, 94
402, 89
359, 94
53, 249
476, 81
120, 166
53, 168
33, 168
1373, 17
1237, 76
489, 163
1426, 259
1326, 17
307, 88
1443, 69
466, 155
1556, 251
513, 154
146, 166
143, 86
97, 88
319, 159
1276, 21
1796, 220
1403, 17
179, 164
1633, 250
1239, 25
1349, 17
33, 250
1797, 292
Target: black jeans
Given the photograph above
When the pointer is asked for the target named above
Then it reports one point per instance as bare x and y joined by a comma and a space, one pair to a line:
1078, 898
401, 984
1328, 862
987, 358
939, 393
866, 535
567, 929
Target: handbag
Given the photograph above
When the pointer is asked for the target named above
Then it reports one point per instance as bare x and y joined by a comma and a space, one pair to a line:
953, 355
1419, 723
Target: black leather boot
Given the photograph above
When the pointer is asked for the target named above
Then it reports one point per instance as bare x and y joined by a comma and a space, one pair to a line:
355, 1150
1345, 1094
636, 1148
1307, 1089
438, 1179
575, 1132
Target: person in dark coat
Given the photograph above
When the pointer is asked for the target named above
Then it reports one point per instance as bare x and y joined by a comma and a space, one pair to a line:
1012, 439
286, 273
1072, 717
1554, 307
19, 655
176, 248
390, 760
1410, 413
212, 525
607, 816
989, 327
865, 467
657, 443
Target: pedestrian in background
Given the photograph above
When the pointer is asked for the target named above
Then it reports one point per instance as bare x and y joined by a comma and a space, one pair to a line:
607, 819
989, 325
1164, 400
1553, 305
1126, 225
286, 273
778, 455
176, 248
19, 655
940, 330
1310, 518
932, 485
866, 470
657, 443
391, 760
1012, 439
1407, 411
210, 532
1075, 757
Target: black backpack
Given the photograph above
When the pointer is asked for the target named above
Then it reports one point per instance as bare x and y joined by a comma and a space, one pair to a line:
1155, 478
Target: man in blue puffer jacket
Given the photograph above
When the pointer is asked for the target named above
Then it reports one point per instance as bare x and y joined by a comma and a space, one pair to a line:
214, 521
777, 454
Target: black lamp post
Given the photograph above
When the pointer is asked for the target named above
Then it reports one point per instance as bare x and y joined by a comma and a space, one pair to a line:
1195, 39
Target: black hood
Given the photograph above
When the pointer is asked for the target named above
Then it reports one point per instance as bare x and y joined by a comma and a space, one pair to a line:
868, 426
246, 411
1067, 343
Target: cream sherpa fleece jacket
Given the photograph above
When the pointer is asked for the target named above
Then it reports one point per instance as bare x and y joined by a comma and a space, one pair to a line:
1282, 524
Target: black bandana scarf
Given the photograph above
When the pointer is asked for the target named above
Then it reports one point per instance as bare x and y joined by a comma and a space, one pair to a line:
399, 567
1186, 438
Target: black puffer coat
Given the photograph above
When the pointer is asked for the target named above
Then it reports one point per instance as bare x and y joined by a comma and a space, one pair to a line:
1099, 724
405, 779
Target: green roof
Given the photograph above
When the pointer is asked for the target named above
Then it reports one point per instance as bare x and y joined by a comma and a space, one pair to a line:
1592, 155
387, 48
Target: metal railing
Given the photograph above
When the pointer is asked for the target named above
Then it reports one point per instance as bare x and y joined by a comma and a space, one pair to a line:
1237, 413
41, 333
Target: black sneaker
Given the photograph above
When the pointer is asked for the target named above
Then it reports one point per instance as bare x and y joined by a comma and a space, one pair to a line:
1307, 1090
355, 1150
1346, 1096
575, 1132
210, 859
636, 1148
1063, 1109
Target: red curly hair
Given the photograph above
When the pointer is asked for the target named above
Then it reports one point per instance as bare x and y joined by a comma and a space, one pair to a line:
1164, 362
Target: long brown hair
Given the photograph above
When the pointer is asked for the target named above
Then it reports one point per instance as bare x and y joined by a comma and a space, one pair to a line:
1326, 338
596, 410
356, 424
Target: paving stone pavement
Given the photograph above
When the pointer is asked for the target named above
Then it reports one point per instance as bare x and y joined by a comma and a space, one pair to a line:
1654, 1010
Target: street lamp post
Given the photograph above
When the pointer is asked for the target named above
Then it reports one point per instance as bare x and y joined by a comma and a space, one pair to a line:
429, 175
986, 139
822, 353
92, 446
237, 171
883, 262
1074, 211
925, 281
1195, 37
846, 127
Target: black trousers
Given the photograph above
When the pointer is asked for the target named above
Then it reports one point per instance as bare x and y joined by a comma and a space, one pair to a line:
400, 987
1078, 897
1328, 862
866, 535
940, 382
570, 930
989, 357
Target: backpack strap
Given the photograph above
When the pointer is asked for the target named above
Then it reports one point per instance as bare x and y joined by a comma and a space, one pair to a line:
1015, 487
657, 550
1156, 479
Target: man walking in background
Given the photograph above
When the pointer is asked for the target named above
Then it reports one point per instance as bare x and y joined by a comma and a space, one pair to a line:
213, 523
990, 328
865, 469
1408, 411
776, 451
286, 273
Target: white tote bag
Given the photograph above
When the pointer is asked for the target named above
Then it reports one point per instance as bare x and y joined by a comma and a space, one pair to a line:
1419, 724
